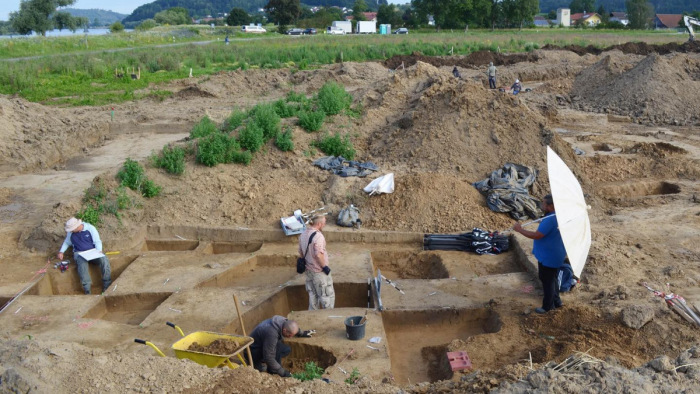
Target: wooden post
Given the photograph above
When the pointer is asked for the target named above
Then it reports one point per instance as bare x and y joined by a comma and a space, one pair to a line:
240, 319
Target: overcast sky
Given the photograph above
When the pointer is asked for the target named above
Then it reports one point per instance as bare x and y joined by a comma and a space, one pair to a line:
122, 6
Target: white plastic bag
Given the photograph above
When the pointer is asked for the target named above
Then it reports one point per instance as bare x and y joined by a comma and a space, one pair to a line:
383, 184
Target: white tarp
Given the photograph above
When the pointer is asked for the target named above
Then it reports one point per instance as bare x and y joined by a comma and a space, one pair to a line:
383, 184
571, 210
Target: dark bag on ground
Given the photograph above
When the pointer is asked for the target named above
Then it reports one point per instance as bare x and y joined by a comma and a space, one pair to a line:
301, 261
349, 217
478, 241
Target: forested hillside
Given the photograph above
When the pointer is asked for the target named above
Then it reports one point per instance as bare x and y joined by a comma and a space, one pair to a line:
660, 6
102, 17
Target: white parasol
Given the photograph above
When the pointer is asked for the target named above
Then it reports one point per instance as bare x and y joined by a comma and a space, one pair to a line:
571, 210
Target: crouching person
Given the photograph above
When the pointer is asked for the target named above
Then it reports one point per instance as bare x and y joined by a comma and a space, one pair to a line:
269, 348
82, 237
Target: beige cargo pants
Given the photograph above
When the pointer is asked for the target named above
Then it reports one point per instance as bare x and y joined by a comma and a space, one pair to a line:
320, 289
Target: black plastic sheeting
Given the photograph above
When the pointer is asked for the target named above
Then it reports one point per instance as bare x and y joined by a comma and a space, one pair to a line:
345, 168
506, 190
477, 241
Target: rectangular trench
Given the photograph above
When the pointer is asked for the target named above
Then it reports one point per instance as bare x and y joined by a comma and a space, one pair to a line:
418, 339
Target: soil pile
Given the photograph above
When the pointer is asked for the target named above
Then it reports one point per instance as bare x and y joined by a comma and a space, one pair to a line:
655, 90
219, 346
479, 58
34, 136
631, 48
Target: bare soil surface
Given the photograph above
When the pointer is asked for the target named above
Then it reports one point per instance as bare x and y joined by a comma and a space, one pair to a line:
219, 346
620, 119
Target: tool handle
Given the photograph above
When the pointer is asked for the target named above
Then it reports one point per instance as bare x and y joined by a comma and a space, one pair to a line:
240, 320
170, 324
141, 341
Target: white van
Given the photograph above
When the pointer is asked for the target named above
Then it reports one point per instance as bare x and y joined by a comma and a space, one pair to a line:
253, 29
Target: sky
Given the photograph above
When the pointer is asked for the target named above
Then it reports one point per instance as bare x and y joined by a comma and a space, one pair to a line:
122, 6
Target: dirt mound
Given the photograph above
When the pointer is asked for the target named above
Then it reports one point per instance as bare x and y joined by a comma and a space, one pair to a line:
219, 346
654, 90
479, 58
34, 136
191, 92
631, 48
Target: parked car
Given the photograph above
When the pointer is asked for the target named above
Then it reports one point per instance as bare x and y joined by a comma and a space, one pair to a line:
310, 31
335, 30
253, 29
295, 32
401, 30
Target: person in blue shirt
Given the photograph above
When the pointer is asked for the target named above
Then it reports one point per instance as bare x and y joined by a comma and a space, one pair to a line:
84, 236
517, 87
549, 250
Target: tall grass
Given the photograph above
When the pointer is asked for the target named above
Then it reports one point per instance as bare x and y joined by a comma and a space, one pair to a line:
87, 79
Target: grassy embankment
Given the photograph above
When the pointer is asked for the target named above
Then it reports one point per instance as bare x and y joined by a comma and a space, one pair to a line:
88, 78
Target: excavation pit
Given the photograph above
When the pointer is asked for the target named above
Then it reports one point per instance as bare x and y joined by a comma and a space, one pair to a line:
295, 298
410, 265
169, 245
602, 147
232, 247
258, 271
127, 309
68, 283
303, 353
418, 339
638, 189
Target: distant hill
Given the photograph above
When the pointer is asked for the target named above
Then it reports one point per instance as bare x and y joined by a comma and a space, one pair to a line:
105, 18
660, 6
202, 8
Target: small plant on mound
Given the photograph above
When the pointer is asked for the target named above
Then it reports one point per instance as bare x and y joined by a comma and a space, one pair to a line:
284, 141
335, 145
251, 137
220, 148
311, 371
268, 120
285, 110
89, 214
294, 97
133, 176
171, 159
332, 98
354, 376
204, 128
234, 120
311, 120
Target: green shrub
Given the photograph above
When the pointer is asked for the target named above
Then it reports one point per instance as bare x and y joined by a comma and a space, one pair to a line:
220, 148
172, 160
335, 145
234, 120
95, 194
311, 120
354, 376
123, 200
266, 117
294, 97
150, 189
204, 128
332, 98
356, 112
311, 371
285, 110
89, 214
131, 174
241, 157
251, 137
284, 141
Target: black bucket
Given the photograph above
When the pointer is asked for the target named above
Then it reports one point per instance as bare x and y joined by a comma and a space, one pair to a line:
353, 329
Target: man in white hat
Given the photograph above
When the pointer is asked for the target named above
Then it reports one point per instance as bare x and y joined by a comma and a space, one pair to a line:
82, 237
517, 87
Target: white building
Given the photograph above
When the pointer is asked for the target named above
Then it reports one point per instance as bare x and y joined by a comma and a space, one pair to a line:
564, 17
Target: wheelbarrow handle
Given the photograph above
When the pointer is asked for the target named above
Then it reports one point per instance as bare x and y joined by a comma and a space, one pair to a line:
141, 341
173, 325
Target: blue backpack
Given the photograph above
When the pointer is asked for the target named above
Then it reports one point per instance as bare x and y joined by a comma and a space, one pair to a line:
566, 278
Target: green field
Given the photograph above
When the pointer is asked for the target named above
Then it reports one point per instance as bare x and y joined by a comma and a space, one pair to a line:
66, 74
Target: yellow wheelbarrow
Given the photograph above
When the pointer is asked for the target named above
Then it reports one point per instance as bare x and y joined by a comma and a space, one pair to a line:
205, 338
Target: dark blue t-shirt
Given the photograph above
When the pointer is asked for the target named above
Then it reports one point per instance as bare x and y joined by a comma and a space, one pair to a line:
82, 241
549, 250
